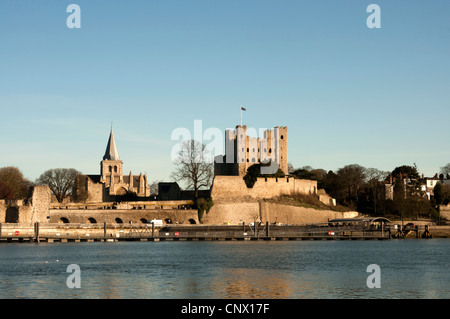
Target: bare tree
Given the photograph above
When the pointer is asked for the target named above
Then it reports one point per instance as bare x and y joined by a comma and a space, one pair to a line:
14, 184
374, 179
446, 171
194, 167
154, 188
61, 181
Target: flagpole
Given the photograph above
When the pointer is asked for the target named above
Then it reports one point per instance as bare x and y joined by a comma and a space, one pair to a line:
241, 115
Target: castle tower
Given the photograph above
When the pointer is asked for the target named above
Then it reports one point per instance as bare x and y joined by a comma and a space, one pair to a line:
111, 166
243, 151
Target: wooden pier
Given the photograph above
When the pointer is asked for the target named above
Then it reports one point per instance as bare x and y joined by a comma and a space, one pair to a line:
13, 233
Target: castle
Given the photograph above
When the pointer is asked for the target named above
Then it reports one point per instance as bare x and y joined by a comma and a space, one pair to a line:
243, 151
111, 182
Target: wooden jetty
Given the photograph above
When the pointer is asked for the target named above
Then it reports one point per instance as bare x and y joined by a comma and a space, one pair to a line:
339, 229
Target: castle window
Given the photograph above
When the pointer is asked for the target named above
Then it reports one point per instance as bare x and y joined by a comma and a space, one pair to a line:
115, 169
253, 160
282, 137
253, 149
270, 151
247, 160
110, 169
247, 149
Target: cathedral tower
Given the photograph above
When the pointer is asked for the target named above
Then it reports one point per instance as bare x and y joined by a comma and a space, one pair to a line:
111, 168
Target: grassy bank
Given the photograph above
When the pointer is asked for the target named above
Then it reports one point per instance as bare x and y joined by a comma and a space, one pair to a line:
307, 201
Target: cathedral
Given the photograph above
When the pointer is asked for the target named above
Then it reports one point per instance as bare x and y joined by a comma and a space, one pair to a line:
111, 183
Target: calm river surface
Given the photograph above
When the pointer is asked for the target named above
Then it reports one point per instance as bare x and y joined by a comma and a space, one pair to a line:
212, 269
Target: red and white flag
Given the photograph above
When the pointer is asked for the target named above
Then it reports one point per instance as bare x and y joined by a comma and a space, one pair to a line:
243, 108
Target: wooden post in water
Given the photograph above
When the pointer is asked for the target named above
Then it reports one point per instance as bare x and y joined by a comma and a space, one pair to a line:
36, 231
267, 228
153, 230
0, 229
104, 230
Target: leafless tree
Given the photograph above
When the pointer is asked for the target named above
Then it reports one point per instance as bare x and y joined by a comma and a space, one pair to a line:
61, 181
446, 171
154, 188
14, 184
194, 167
374, 179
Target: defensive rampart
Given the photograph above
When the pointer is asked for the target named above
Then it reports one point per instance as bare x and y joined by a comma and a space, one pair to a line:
261, 211
38, 208
34, 209
230, 188
123, 216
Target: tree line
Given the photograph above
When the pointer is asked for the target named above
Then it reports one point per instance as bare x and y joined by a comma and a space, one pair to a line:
380, 193
63, 182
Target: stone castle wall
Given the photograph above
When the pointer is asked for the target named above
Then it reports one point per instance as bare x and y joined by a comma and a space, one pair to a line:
445, 211
38, 208
249, 212
230, 188
34, 209
126, 216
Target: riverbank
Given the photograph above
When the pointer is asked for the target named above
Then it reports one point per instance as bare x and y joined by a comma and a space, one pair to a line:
120, 232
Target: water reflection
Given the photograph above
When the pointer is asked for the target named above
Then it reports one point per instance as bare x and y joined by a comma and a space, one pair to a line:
226, 270
251, 283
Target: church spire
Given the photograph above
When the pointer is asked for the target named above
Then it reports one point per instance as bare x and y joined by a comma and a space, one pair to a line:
111, 152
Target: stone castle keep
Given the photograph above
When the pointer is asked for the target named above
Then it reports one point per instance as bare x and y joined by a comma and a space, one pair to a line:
243, 151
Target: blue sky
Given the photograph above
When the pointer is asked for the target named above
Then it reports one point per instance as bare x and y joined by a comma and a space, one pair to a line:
348, 94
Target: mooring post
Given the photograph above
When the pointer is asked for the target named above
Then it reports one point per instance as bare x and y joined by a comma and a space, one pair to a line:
36, 231
104, 230
267, 228
0, 229
153, 230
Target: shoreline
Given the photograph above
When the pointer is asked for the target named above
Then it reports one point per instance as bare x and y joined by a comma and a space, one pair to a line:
264, 232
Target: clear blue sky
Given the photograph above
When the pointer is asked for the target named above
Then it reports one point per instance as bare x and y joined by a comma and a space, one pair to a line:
348, 94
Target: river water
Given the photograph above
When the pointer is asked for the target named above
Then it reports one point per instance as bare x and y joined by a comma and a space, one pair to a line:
232, 269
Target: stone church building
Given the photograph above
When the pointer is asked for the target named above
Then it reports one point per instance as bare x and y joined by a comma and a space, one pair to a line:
112, 183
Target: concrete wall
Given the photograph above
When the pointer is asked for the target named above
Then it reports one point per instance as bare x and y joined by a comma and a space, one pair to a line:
231, 188
248, 212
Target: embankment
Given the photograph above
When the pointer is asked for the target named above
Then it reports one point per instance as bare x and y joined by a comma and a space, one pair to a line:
251, 211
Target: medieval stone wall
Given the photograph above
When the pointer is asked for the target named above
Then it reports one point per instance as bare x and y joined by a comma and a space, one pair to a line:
445, 211
35, 209
249, 212
230, 188
125, 216
3, 208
